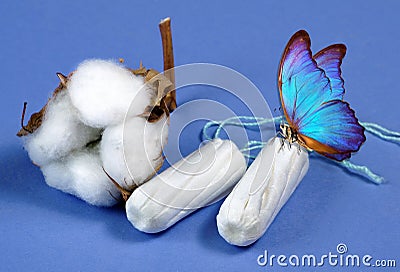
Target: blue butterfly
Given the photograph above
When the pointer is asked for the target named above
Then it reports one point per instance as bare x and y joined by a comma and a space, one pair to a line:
311, 91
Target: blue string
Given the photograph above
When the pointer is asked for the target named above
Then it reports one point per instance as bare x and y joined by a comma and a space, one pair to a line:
252, 145
239, 121
381, 132
361, 169
250, 121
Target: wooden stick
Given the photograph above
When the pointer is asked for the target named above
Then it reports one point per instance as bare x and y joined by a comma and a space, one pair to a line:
168, 55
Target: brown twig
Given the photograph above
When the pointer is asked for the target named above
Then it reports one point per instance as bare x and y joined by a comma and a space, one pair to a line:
24, 128
125, 193
168, 55
35, 121
63, 79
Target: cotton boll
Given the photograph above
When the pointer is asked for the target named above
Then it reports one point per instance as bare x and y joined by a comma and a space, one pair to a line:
132, 152
258, 197
81, 174
104, 91
60, 132
97, 97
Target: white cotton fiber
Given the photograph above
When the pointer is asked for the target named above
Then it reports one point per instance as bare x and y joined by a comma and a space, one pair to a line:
103, 92
60, 133
253, 204
81, 174
97, 98
132, 152
200, 179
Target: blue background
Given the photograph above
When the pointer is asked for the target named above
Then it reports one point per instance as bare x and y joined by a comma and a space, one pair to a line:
42, 229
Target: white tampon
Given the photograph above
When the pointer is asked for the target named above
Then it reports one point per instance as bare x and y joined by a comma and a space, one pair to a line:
253, 204
200, 179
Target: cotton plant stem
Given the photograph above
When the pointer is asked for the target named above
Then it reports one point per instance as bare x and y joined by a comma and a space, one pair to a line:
125, 193
24, 129
168, 55
35, 121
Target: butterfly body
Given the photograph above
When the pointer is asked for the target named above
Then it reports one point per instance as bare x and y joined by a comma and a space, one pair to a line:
311, 91
290, 134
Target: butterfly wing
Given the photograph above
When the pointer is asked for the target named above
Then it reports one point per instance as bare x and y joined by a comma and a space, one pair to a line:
303, 86
333, 125
310, 102
329, 59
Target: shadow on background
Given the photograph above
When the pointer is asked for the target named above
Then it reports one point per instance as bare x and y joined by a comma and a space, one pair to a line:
297, 220
23, 182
